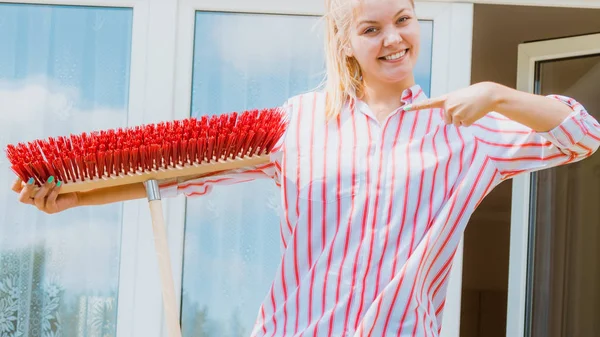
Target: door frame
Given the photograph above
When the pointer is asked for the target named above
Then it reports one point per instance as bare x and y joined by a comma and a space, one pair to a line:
529, 54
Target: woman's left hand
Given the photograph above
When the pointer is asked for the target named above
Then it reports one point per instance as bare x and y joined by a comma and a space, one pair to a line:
462, 107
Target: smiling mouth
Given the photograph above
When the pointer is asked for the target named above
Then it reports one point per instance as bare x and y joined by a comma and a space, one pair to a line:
394, 56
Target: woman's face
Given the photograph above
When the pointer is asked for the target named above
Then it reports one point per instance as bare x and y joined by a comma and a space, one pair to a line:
384, 39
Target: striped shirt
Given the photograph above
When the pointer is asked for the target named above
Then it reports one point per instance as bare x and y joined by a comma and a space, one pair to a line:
373, 212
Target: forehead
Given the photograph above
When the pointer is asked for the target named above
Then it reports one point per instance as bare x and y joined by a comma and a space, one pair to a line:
378, 9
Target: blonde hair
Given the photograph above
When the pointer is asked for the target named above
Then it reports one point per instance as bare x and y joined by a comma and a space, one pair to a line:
343, 74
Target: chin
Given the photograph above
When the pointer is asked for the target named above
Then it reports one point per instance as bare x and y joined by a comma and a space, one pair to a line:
399, 74
397, 78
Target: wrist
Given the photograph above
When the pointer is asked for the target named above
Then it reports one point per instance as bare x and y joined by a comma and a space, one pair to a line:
79, 199
499, 96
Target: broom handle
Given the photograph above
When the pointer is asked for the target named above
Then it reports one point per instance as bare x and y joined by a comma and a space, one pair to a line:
164, 261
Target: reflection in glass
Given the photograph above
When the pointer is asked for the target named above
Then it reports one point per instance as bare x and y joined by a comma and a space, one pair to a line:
232, 235
63, 69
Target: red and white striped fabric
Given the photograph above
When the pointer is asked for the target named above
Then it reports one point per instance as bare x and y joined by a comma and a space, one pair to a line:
373, 212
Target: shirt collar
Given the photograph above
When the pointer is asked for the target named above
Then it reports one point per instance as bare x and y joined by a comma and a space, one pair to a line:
409, 96
413, 94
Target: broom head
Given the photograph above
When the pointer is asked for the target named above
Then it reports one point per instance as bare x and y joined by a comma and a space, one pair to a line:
179, 150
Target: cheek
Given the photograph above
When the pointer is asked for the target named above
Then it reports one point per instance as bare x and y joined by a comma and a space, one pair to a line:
415, 44
366, 49
413, 37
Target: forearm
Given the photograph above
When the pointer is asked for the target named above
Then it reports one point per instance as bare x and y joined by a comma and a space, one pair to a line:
537, 112
111, 194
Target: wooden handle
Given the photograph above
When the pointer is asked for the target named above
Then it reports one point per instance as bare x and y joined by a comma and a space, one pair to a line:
180, 172
164, 264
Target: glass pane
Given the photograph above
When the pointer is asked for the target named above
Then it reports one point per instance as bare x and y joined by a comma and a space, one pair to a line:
232, 235
63, 69
565, 297
422, 69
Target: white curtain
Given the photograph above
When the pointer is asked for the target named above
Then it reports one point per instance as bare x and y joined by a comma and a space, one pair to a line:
63, 69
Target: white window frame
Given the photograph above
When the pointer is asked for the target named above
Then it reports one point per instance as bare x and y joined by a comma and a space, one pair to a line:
451, 70
529, 55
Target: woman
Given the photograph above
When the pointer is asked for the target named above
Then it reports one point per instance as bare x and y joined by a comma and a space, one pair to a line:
378, 182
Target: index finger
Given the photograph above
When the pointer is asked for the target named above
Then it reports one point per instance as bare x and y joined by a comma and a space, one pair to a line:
431, 103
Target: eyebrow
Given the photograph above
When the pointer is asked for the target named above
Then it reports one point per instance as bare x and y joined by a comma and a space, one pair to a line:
373, 21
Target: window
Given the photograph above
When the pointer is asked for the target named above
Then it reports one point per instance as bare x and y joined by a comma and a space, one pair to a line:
232, 237
63, 69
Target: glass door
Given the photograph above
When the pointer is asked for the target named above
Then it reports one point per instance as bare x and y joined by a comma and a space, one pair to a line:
231, 245
554, 273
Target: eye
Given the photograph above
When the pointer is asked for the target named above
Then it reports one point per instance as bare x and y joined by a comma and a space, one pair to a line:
403, 19
370, 30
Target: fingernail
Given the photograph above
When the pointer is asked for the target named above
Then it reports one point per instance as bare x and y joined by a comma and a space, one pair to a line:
51, 179
58, 184
30, 181
407, 107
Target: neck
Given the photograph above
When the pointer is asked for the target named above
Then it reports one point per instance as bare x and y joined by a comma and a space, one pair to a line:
384, 98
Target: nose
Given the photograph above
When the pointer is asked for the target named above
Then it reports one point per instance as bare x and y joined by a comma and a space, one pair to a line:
391, 38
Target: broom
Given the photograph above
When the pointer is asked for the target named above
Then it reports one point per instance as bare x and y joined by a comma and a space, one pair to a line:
164, 152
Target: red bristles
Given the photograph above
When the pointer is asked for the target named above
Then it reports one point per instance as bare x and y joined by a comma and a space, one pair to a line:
152, 147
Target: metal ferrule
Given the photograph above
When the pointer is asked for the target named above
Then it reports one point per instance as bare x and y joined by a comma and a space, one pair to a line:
152, 190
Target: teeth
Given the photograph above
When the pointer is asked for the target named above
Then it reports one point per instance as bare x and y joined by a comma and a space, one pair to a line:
395, 56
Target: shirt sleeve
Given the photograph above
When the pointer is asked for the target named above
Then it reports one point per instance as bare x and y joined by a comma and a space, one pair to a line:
515, 148
203, 185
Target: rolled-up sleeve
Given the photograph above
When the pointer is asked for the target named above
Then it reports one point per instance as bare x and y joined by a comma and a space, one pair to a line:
516, 148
